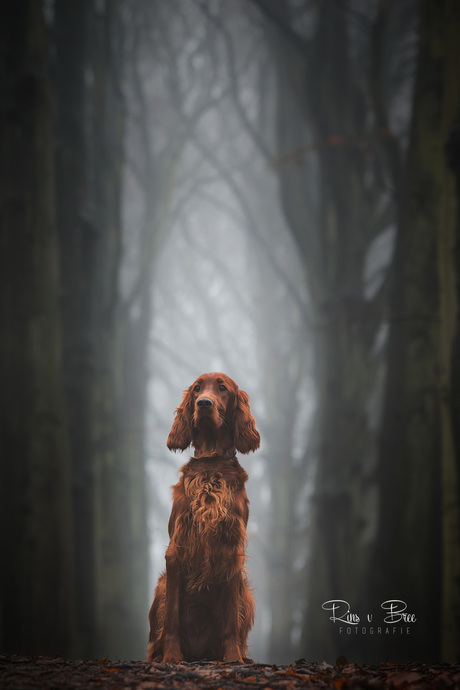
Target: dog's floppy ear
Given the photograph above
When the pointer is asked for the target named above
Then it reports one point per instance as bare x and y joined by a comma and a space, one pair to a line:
180, 436
247, 437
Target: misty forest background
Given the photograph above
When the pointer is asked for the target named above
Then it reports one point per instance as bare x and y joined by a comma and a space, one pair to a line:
264, 187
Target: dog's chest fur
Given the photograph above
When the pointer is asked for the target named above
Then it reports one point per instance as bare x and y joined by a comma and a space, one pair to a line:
210, 486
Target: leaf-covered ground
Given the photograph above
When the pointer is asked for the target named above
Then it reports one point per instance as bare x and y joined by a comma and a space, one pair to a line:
25, 673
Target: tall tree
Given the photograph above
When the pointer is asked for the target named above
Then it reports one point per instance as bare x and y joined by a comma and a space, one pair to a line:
37, 576
417, 546
77, 237
105, 392
334, 183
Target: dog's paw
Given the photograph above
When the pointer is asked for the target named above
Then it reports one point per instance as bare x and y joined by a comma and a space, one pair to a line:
172, 658
172, 652
232, 653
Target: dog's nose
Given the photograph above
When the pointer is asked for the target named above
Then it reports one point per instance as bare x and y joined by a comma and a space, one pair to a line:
204, 402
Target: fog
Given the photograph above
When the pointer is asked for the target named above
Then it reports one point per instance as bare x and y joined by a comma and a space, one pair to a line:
216, 300
267, 188
228, 291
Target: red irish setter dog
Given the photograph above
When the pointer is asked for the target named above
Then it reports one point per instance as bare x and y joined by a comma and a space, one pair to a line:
203, 607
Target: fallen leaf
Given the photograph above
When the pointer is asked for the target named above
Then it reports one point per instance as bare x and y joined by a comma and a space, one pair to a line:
341, 661
405, 677
338, 682
102, 662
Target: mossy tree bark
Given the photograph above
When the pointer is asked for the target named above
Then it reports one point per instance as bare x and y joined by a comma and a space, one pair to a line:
105, 354
417, 548
37, 575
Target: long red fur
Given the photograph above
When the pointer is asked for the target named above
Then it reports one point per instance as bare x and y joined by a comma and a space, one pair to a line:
203, 607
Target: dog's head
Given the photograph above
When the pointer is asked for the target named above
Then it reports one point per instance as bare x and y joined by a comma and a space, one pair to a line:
214, 416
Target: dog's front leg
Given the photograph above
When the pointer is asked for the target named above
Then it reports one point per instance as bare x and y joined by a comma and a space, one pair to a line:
172, 653
230, 639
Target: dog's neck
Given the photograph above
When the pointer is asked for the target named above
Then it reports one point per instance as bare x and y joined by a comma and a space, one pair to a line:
201, 455
208, 444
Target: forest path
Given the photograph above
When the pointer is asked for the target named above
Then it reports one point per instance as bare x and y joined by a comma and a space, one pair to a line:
27, 673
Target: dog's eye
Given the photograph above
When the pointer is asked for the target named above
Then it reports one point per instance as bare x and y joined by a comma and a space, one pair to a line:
197, 389
222, 387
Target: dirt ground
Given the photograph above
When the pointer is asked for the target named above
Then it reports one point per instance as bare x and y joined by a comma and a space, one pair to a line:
24, 673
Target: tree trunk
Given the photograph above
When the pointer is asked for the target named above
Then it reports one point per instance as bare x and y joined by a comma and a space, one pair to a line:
37, 577
77, 240
330, 210
105, 364
119, 500
451, 636
417, 554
